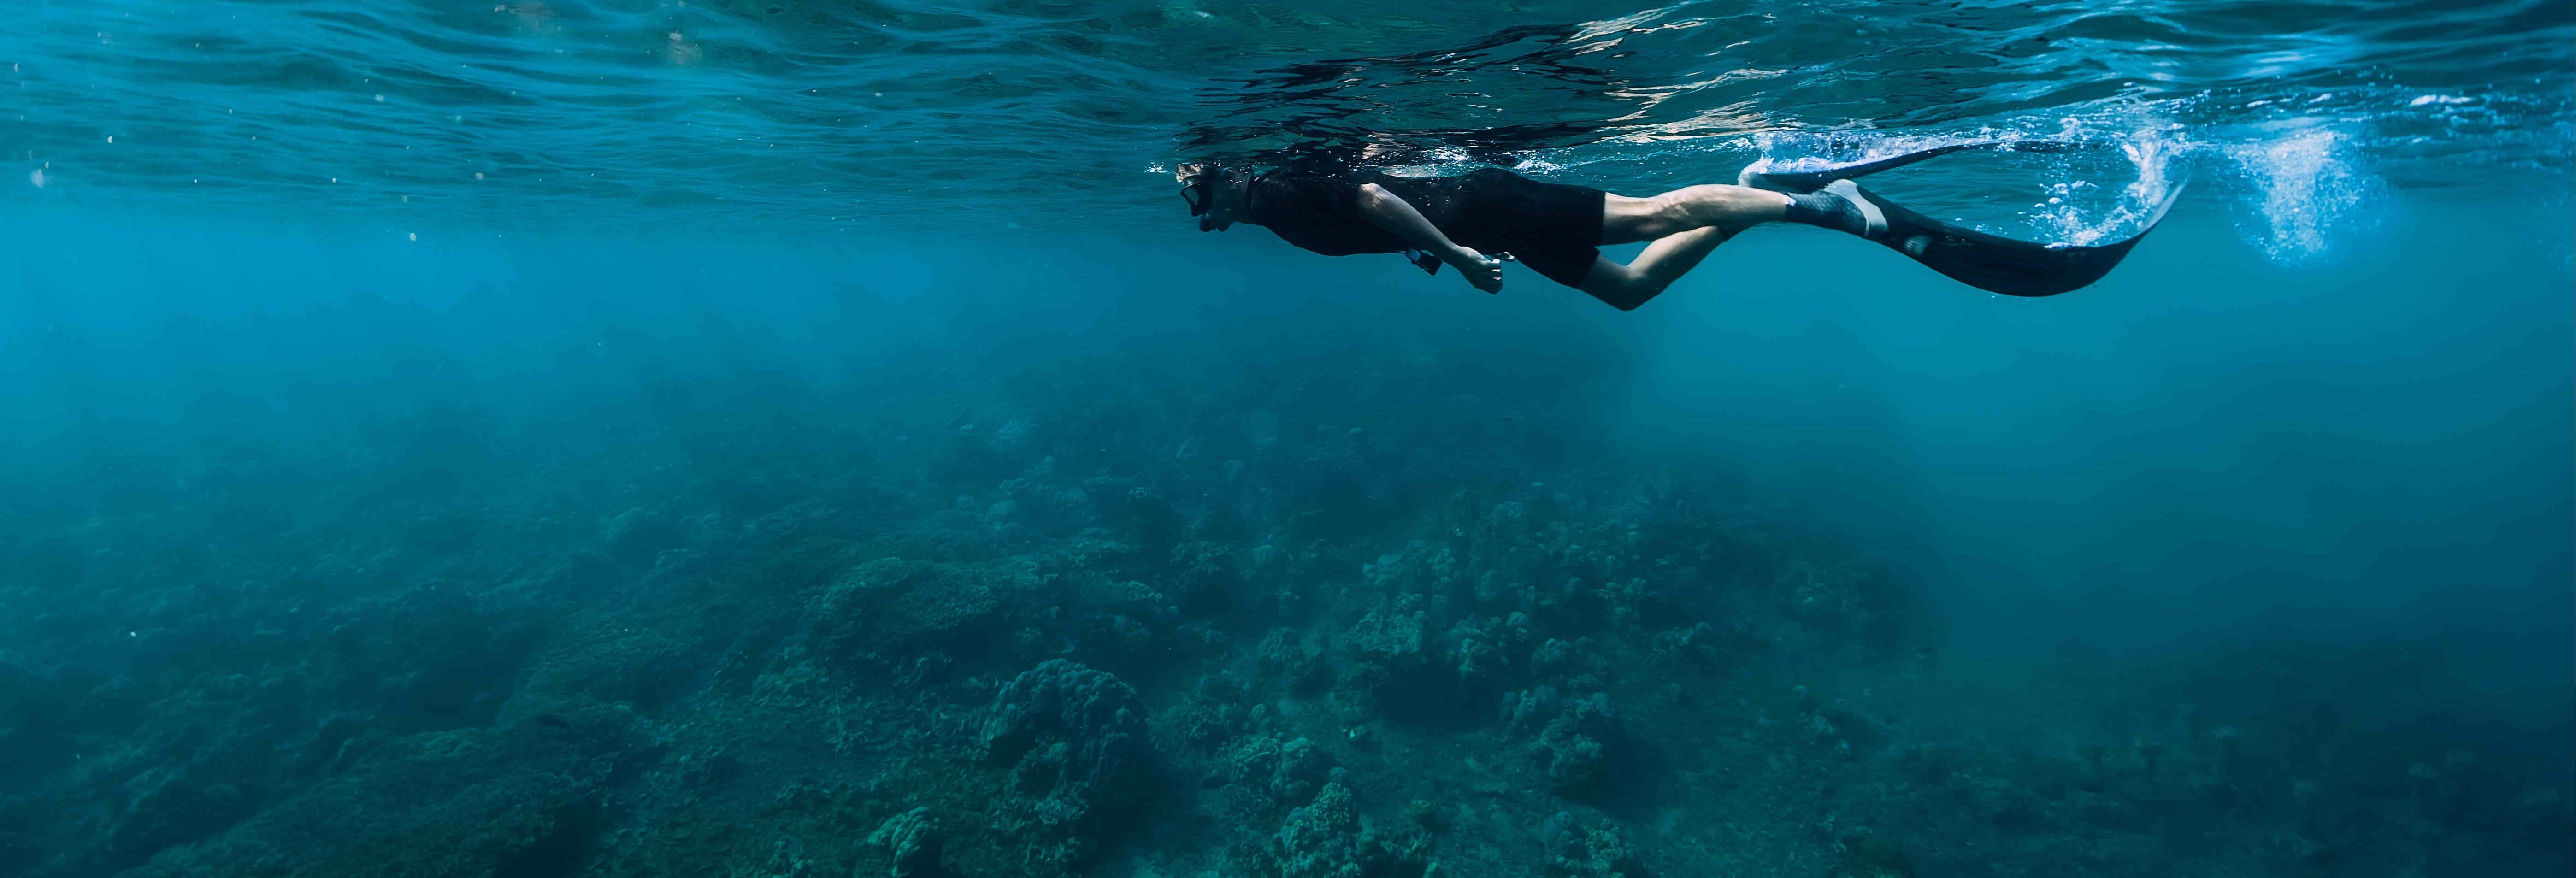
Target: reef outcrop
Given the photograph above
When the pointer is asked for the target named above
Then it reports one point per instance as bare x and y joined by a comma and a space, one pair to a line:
1354, 617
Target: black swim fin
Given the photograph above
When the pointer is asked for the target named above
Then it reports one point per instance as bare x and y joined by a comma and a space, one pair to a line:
1995, 263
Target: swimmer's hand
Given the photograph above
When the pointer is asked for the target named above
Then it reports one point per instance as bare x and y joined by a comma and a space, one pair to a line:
1481, 271
1390, 212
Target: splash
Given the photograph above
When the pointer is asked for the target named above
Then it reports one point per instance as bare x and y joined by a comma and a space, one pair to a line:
2303, 193
2301, 189
2099, 179
2082, 211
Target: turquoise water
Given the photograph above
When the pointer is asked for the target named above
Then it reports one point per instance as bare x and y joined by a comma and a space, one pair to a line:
784, 438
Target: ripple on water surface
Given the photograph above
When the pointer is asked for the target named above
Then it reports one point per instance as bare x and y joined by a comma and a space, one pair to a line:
793, 114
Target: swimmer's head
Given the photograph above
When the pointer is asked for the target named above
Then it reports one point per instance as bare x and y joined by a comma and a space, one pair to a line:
1213, 192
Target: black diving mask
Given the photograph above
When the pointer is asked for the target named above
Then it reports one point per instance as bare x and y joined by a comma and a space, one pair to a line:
1198, 194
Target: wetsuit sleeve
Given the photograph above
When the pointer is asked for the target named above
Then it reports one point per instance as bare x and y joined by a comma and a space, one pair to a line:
1320, 214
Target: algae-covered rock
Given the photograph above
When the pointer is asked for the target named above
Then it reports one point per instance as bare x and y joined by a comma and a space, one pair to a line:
173, 809
1204, 577
1263, 774
636, 535
1322, 838
1076, 740
1578, 745
524, 798
674, 656
1580, 851
1875, 856
910, 841
37, 719
1395, 666
1327, 838
892, 609
429, 657
1213, 714
1392, 639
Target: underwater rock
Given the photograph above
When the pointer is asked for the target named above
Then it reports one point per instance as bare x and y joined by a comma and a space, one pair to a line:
1577, 747
429, 657
524, 798
329, 744
891, 608
38, 716
21, 843
1295, 656
635, 536
1326, 838
1076, 739
1705, 648
911, 843
973, 457
1421, 570
1213, 714
1138, 515
175, 809
1491, 654
1113, 623
1553, 657
290, 702
1844, 600
1042, 506
1394, 664
1264, 774
1875, 856
1204, 578
1321, 839
1530, 708
1573, 849
641, 665
1391, 639
1386, 655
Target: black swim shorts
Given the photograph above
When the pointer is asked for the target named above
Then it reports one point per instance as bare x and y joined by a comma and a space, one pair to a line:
1554, 228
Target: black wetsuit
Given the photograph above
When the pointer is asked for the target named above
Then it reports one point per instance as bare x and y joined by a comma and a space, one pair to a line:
1553, 228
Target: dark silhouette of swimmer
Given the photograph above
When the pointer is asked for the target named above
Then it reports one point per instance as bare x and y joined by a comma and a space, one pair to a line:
1473, 222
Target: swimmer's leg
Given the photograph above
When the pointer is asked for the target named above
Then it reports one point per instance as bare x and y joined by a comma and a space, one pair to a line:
1753, 200
1686, 223
1627, 220
1627, 286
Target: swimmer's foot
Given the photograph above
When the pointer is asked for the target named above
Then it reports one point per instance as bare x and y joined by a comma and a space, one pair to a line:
1840, 206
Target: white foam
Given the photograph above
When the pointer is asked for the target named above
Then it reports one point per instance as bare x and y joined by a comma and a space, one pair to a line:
2076, 214
2303, 192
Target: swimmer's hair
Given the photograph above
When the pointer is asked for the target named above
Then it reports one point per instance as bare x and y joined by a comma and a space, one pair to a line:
1187, 171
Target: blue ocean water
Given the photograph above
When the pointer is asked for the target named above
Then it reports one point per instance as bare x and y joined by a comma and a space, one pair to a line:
796, 438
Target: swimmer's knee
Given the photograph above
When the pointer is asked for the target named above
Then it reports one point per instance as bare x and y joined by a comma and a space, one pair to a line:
1639, 293
1622, 289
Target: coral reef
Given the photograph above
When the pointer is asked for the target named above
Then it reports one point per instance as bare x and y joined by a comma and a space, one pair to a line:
1119, 617
911, 841
1075, 739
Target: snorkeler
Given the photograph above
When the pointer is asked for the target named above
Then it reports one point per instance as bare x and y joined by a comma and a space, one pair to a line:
1473, 222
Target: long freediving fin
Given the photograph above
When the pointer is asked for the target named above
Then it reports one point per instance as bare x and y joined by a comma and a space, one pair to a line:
2005, 265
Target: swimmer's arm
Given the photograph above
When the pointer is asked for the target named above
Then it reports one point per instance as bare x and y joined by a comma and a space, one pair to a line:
1391, 213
